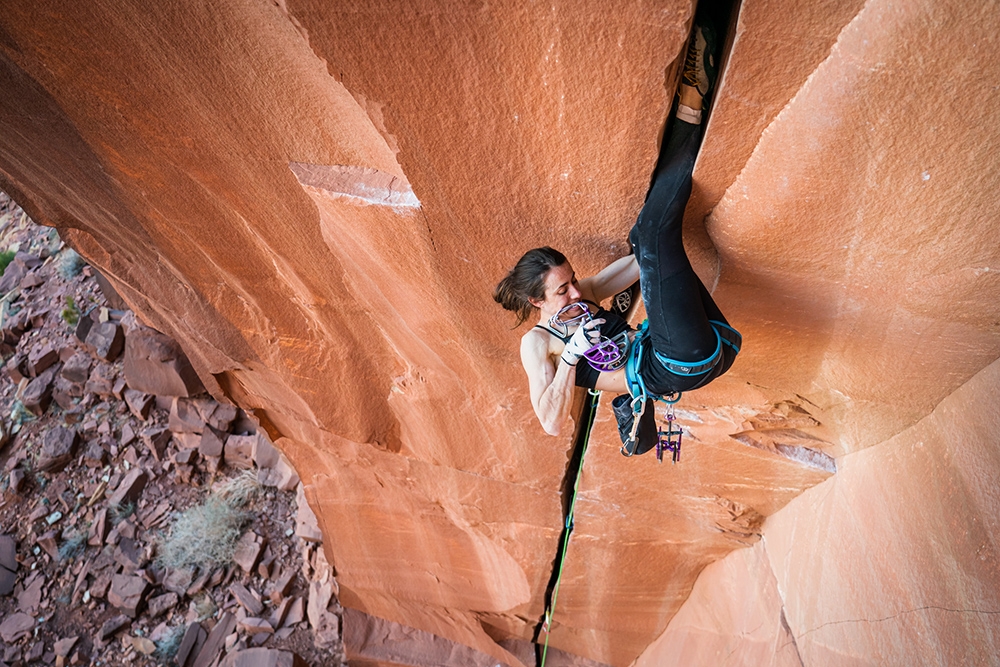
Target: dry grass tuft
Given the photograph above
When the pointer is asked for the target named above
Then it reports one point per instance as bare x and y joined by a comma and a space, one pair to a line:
205, 535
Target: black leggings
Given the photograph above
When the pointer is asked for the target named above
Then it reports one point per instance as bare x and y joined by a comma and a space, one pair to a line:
677, 304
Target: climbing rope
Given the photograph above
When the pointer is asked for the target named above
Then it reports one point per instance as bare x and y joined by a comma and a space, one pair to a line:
589, 411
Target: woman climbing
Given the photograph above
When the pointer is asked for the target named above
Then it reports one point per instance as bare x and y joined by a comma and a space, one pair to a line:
686, 342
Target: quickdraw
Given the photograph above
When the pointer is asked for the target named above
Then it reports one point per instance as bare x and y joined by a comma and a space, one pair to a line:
637, 390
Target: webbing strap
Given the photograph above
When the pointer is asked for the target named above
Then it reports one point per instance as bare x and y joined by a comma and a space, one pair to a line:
585, 428
723, 334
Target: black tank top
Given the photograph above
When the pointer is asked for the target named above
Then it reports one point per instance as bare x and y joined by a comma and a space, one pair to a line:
586, 375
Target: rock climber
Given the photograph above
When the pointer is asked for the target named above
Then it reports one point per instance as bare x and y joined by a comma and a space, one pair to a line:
686, 342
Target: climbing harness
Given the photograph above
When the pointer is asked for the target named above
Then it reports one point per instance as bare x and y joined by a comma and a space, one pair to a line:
724, 334
670, 439
587, 423
640, 396
608, 354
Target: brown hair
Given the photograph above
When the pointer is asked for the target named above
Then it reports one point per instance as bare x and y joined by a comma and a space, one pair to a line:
527, 281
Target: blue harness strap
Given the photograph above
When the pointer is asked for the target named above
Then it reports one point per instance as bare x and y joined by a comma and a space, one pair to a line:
724, 335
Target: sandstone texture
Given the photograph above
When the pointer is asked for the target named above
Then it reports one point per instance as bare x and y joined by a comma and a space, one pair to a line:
316, 202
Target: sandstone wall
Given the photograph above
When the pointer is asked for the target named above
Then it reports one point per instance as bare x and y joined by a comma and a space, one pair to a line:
893, 561
318, 200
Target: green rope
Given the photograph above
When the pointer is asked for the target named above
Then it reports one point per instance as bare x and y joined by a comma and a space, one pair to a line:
569, 519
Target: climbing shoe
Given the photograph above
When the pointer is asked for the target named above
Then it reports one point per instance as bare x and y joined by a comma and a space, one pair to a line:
646, 436
701, 62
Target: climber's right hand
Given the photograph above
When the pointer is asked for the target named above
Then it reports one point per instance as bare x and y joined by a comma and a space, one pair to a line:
587, 335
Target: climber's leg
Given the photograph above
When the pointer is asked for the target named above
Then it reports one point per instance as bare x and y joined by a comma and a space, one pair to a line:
678, 305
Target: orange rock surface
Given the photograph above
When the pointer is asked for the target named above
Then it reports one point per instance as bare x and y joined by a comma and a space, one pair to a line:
316, 202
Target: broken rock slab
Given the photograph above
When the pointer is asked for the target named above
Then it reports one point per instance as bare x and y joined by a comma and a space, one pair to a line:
325, 624
139, 403
185, 415
248, 551
41, 358
306, 525
106, 339
155, 364
101, 381
77, 368
161, 604
263, 657
113, 625
37, 395
66, 393
130, 488
211, 447
58, 448
216, 640
8, 564
239, 451
63, 647
246, 599
15, 626
128, 593
156, 440
255, 626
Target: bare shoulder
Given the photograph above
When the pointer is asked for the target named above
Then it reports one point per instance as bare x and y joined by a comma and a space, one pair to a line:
534, 345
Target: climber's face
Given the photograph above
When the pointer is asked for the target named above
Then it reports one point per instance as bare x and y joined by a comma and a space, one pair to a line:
561, 289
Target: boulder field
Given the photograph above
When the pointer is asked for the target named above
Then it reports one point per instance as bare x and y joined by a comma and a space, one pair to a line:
315, 201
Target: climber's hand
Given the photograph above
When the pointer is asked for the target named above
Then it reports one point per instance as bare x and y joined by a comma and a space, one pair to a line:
587, 335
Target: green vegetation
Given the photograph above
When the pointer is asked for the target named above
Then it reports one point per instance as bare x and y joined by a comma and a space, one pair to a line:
70, 314
6, 257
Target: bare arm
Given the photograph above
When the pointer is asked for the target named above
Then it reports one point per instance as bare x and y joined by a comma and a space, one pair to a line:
551, 387
611, 280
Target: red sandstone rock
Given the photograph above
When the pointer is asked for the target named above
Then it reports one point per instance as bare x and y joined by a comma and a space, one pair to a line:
112, 626
102, 380
130, 488
263, 657
239, 450
138, 402
58, 449
41, 358
860, 284
211, 447
185, 415
156, 441
37, 395
160, 604
15, 626
246, 599
8, 564
155, 364
216, 638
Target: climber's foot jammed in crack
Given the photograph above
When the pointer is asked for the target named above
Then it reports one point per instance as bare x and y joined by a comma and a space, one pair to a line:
686, 341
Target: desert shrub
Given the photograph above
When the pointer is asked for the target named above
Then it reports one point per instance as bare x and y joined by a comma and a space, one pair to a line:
167, 647
70, 264
6, 257
73, 546
121, 511
70, 314
205, 535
